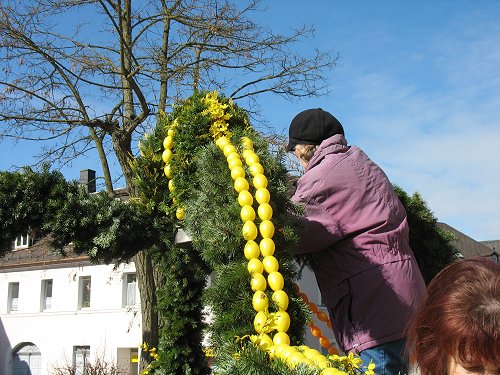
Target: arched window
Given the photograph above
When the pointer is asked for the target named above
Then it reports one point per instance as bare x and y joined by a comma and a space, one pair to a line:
26, 359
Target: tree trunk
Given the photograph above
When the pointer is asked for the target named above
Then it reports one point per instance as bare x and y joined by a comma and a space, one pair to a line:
147, 289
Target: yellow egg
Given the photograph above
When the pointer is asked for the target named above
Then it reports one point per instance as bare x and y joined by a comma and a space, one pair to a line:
311, 352
270, 264
332, 371
295, 358
228, 149
221, 142
288, 351
265, 211
251, 250
259, 322
245, 198
258, 282
246, 153
168, 142
266, 247
275, 281
233, 156
262, 195
252, 159
259, 181
237, 172
168, 171
254, 265
280, 298
264, 341
240, 184
319, 360
234, 163
246, 143
281, 338
256, 168
260, 302
247, 213
171, 186
266, 229
281, 321
171, 132
180, 213
278, 349
249, 230
166, 156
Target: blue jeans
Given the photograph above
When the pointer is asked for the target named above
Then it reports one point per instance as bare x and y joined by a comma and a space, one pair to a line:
389, 358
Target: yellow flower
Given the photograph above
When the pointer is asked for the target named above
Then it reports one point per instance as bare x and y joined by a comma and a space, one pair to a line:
217, 112
353, 361
370, 369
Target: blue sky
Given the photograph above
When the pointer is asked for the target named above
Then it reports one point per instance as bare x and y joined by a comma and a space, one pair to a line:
417, 86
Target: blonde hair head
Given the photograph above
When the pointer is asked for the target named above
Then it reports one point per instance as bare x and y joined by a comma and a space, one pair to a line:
305, 152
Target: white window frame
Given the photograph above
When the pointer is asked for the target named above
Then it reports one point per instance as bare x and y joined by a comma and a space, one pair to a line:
84, 288
130, 290
13, 297
46, 294
22, 242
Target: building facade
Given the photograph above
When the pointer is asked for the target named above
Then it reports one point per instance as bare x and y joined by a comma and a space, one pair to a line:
63, 312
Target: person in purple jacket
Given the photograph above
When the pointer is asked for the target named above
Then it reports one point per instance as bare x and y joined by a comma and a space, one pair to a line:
355, 234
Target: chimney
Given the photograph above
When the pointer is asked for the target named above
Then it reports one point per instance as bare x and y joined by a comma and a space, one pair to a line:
87, 179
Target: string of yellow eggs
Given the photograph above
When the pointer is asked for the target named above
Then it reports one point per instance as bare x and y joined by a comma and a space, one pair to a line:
265, 323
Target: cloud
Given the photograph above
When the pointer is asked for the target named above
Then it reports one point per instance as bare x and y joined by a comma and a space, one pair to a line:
440, 137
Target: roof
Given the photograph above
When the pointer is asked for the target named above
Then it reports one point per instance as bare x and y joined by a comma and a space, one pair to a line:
494, 245
40, 254
468, 247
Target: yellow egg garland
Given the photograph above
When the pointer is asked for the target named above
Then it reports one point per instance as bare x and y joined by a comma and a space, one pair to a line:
270, 327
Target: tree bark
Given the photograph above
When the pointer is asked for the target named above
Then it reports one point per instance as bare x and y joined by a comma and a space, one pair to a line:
147, 289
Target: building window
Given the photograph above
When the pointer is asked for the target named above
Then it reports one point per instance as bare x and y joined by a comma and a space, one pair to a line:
81, 357
13, 303
22, 242
26, 359
84, 292
129, 289
127, 360
46, 300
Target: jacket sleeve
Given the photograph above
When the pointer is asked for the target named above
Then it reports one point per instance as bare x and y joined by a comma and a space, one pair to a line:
318, 228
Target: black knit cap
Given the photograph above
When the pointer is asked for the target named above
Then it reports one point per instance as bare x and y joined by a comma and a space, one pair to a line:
311, 127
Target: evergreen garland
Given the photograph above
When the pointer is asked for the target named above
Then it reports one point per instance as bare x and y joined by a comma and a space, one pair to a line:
202, 187
201, 194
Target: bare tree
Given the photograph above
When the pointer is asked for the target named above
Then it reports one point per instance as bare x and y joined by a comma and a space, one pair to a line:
85, 75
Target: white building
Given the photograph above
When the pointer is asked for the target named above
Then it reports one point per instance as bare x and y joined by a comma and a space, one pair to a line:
60, 311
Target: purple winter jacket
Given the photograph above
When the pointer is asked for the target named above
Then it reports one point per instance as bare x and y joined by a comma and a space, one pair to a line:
356, 236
